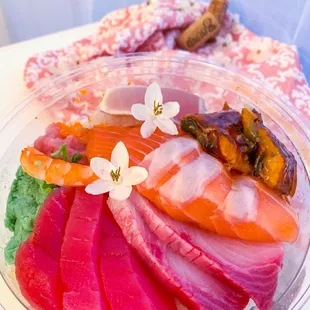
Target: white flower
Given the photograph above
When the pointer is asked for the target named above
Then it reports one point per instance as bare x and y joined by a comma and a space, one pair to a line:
115, 176
154, 113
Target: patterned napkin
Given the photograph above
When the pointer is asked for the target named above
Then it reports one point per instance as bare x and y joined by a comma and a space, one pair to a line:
154, 26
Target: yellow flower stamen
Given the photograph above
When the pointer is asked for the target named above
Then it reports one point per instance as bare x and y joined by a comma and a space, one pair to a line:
115, 175
158, 108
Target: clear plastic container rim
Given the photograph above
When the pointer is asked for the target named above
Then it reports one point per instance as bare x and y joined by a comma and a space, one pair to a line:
198, 63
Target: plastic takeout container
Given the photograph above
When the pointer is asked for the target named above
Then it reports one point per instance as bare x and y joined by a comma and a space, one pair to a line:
81, 91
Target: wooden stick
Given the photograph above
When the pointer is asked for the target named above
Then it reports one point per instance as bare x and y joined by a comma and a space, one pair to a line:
206, 28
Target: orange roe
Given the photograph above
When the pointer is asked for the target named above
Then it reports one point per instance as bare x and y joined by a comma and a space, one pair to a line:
76, 130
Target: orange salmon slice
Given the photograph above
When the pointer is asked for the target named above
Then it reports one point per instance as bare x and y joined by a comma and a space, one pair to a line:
102, 140
192, 186
200, 190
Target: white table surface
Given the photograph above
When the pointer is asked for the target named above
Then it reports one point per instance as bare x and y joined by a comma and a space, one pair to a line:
13, 90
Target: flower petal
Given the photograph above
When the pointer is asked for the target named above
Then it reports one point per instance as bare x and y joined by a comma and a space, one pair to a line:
141, 112
100, 187
153, 93
134, 175
120, 192
120, 156
147, 128
101, 167
166, 125
171, 109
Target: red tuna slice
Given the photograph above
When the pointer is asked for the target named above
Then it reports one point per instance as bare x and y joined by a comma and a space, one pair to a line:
113, 101
36, 273
252, 266
51, 221
79, 255
127, 284
195, 288
37, 259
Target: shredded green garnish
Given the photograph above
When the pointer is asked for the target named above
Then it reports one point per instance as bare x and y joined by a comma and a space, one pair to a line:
62, 153
76, 157
37, 163
25, 199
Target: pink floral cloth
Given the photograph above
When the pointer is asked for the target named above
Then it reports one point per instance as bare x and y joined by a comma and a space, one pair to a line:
154, 26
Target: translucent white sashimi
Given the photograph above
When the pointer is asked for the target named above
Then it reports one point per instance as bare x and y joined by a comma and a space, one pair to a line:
190, 182
157, 162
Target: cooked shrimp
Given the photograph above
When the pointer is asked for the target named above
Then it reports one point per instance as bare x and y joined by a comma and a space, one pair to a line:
55, 171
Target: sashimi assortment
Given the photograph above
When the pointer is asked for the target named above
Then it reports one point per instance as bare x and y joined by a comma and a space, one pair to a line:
149, 213
230, 259
194, 287
67, 262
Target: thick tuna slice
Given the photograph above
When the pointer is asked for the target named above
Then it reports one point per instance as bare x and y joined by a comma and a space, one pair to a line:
251, 266
37, 260
36, 273
127, 284
79, 261
195, 288
51, 221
